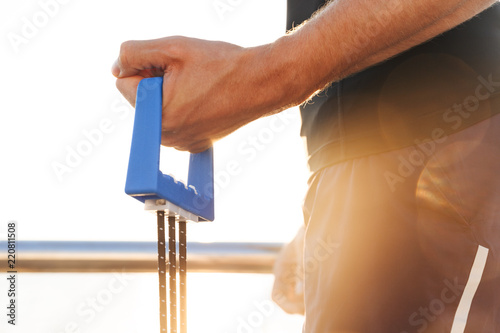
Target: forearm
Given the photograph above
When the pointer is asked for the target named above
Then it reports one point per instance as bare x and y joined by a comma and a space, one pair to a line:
350, 35
212, 88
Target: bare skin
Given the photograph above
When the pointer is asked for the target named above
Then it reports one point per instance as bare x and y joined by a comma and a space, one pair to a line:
212, 88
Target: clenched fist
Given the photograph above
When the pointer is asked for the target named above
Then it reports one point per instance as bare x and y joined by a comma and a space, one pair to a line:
210, 88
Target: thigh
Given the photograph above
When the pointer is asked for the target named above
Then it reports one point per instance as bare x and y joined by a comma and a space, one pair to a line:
392, 239
458, 196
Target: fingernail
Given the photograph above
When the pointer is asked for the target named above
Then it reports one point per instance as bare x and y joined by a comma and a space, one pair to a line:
115, 70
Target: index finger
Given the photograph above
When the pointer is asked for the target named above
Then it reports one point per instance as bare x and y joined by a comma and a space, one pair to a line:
144, 58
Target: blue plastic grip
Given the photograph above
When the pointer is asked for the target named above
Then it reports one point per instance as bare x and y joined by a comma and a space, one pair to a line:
145, 180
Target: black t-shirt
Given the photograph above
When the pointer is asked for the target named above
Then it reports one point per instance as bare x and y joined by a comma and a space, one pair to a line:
432, 90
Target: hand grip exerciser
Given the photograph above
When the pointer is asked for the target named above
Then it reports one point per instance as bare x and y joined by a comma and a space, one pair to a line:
146, 182
167, 196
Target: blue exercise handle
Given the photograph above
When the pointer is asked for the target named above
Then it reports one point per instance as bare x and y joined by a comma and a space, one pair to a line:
145, 181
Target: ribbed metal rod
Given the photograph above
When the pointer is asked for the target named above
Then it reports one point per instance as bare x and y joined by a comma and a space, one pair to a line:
172, 260
162, 267
182, 276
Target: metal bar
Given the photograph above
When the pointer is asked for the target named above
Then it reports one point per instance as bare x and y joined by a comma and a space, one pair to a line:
172, 272
83, 256
162, 267
182, 276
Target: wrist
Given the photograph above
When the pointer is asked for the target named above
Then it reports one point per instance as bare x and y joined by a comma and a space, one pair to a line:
276, 77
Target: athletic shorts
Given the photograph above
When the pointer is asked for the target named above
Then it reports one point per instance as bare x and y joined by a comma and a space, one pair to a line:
409, 240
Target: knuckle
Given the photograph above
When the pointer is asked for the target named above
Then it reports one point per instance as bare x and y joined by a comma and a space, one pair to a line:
126, 48
175, 47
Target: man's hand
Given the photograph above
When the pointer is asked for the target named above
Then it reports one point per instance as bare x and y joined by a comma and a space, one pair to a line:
210, 88
288, 287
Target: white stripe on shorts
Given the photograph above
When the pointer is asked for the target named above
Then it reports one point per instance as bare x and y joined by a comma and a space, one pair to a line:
475, 276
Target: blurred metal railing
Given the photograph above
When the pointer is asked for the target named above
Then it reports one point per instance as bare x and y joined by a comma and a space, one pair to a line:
66, 256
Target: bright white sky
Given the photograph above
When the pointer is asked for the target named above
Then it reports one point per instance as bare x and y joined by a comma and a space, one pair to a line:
56, 86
